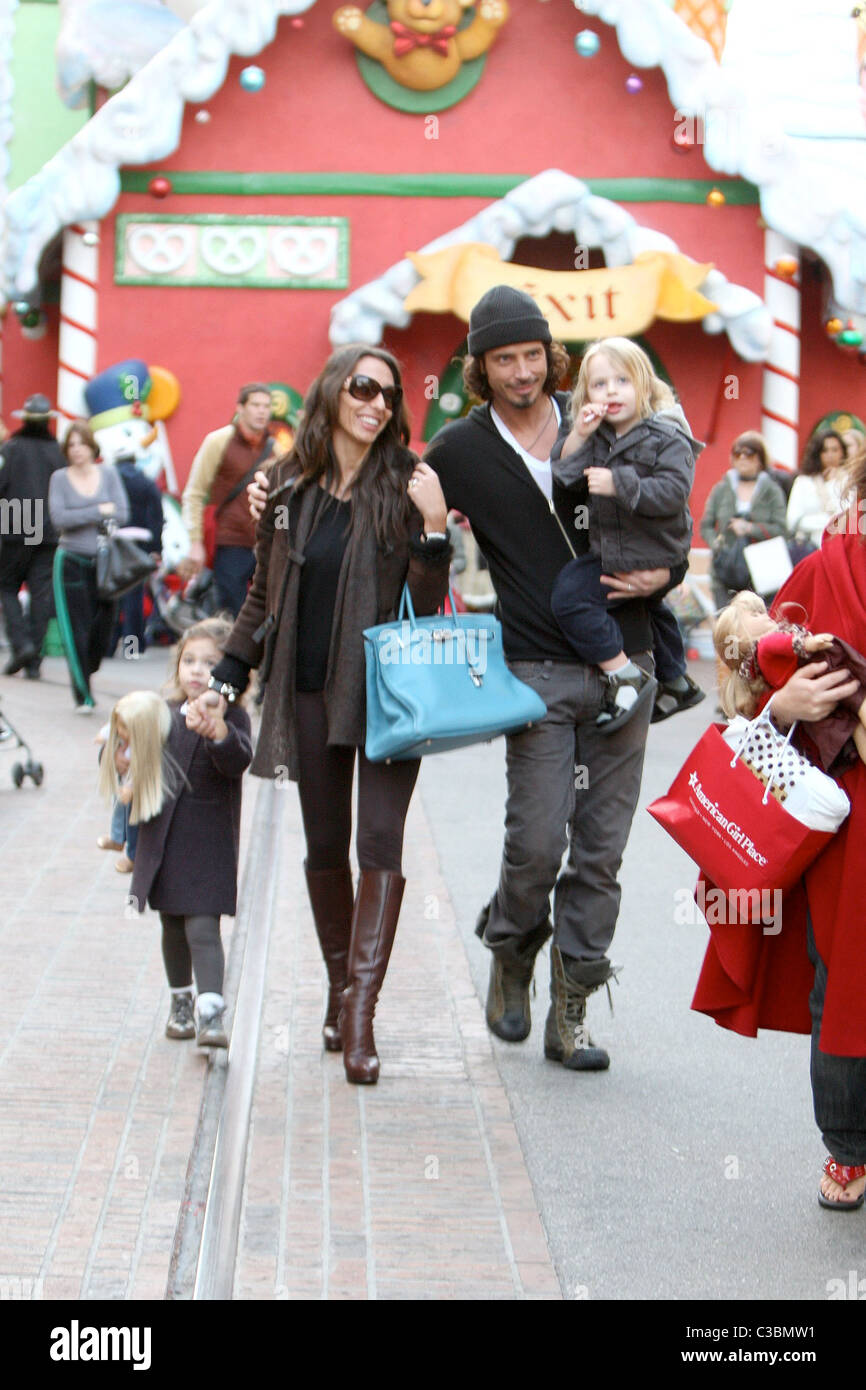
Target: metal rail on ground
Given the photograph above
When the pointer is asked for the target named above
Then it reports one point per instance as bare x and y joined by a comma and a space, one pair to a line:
214, 1204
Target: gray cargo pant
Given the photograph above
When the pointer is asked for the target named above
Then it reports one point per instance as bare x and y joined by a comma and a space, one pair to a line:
568, 785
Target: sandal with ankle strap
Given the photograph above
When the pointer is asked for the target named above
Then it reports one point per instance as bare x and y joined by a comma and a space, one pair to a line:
670, 701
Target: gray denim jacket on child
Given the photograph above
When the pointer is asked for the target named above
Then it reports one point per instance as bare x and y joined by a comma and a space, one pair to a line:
647, 523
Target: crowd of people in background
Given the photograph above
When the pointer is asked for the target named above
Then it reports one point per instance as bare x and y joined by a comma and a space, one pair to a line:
756, 501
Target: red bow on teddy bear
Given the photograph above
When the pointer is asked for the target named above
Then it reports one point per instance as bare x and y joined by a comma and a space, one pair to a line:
407, 39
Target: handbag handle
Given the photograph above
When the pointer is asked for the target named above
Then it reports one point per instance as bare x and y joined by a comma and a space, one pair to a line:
408, 608
764, 718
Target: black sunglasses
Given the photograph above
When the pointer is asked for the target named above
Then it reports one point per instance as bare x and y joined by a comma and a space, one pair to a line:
745, 452
367, 388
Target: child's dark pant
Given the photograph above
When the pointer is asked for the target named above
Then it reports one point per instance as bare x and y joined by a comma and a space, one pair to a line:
579, 603
193, 943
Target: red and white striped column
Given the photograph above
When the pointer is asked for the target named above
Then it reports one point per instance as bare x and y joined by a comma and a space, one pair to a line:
780, 401
79, 302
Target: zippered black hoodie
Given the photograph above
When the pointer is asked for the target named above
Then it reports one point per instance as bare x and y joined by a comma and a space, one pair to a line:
522, 538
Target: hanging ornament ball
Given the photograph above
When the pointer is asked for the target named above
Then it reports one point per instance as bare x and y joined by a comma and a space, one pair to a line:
296, 23
633, 84
31, 319
252, 79
834, 326
91, 238
716, 198
786, 266
202, 117
21, 307
160, 187
587, 43
849, 337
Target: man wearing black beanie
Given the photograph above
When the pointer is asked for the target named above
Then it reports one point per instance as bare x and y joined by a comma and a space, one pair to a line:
494, 466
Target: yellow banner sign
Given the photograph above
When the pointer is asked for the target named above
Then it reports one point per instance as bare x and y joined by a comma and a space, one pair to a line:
578, 304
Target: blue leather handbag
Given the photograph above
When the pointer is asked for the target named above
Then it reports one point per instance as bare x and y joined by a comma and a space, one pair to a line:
439, 683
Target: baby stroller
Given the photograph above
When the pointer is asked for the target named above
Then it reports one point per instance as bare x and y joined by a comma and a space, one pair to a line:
177, 609
31, 769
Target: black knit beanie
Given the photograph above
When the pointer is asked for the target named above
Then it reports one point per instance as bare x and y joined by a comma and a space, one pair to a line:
503, 316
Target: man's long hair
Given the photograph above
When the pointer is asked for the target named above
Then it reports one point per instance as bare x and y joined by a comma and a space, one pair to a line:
475, 379
379, 492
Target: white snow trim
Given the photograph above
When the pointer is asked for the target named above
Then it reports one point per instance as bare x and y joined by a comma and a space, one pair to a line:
7, 87
139, 125
551, 202
801, 197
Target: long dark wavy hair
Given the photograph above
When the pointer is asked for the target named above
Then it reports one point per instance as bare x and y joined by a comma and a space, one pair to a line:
475, 378
379, 493
811, 464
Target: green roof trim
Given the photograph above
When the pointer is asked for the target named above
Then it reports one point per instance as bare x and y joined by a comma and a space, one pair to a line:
225, 183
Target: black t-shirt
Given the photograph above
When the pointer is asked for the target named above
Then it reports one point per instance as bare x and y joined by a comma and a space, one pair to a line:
317, 596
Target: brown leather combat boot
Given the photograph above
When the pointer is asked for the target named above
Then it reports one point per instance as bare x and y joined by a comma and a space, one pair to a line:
374, 925
332, 900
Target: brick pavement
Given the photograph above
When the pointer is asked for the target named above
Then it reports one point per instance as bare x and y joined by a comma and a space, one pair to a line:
416, 1188
98, 1108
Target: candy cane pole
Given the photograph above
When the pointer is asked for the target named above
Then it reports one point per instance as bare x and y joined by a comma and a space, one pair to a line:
780, 401
79, 298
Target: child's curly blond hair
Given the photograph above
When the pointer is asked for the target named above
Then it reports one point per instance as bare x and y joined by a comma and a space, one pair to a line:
651, 393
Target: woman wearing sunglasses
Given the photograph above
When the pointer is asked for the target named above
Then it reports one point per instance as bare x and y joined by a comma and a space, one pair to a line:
351, 515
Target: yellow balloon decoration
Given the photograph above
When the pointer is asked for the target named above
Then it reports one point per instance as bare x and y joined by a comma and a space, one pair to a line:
164, 396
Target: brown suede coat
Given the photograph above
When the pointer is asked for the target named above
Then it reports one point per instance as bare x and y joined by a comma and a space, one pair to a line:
371, 581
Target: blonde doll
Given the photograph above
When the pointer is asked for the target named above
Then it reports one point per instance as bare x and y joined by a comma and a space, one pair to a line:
135, 768
629, 460
758, 655
186, 797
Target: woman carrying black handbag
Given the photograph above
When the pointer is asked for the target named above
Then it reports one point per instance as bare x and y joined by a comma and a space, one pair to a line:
746, 506
80, 499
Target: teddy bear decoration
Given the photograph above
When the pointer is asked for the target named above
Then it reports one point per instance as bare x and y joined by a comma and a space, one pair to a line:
422, 46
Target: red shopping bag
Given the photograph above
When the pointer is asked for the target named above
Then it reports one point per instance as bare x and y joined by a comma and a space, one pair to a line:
717, 812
